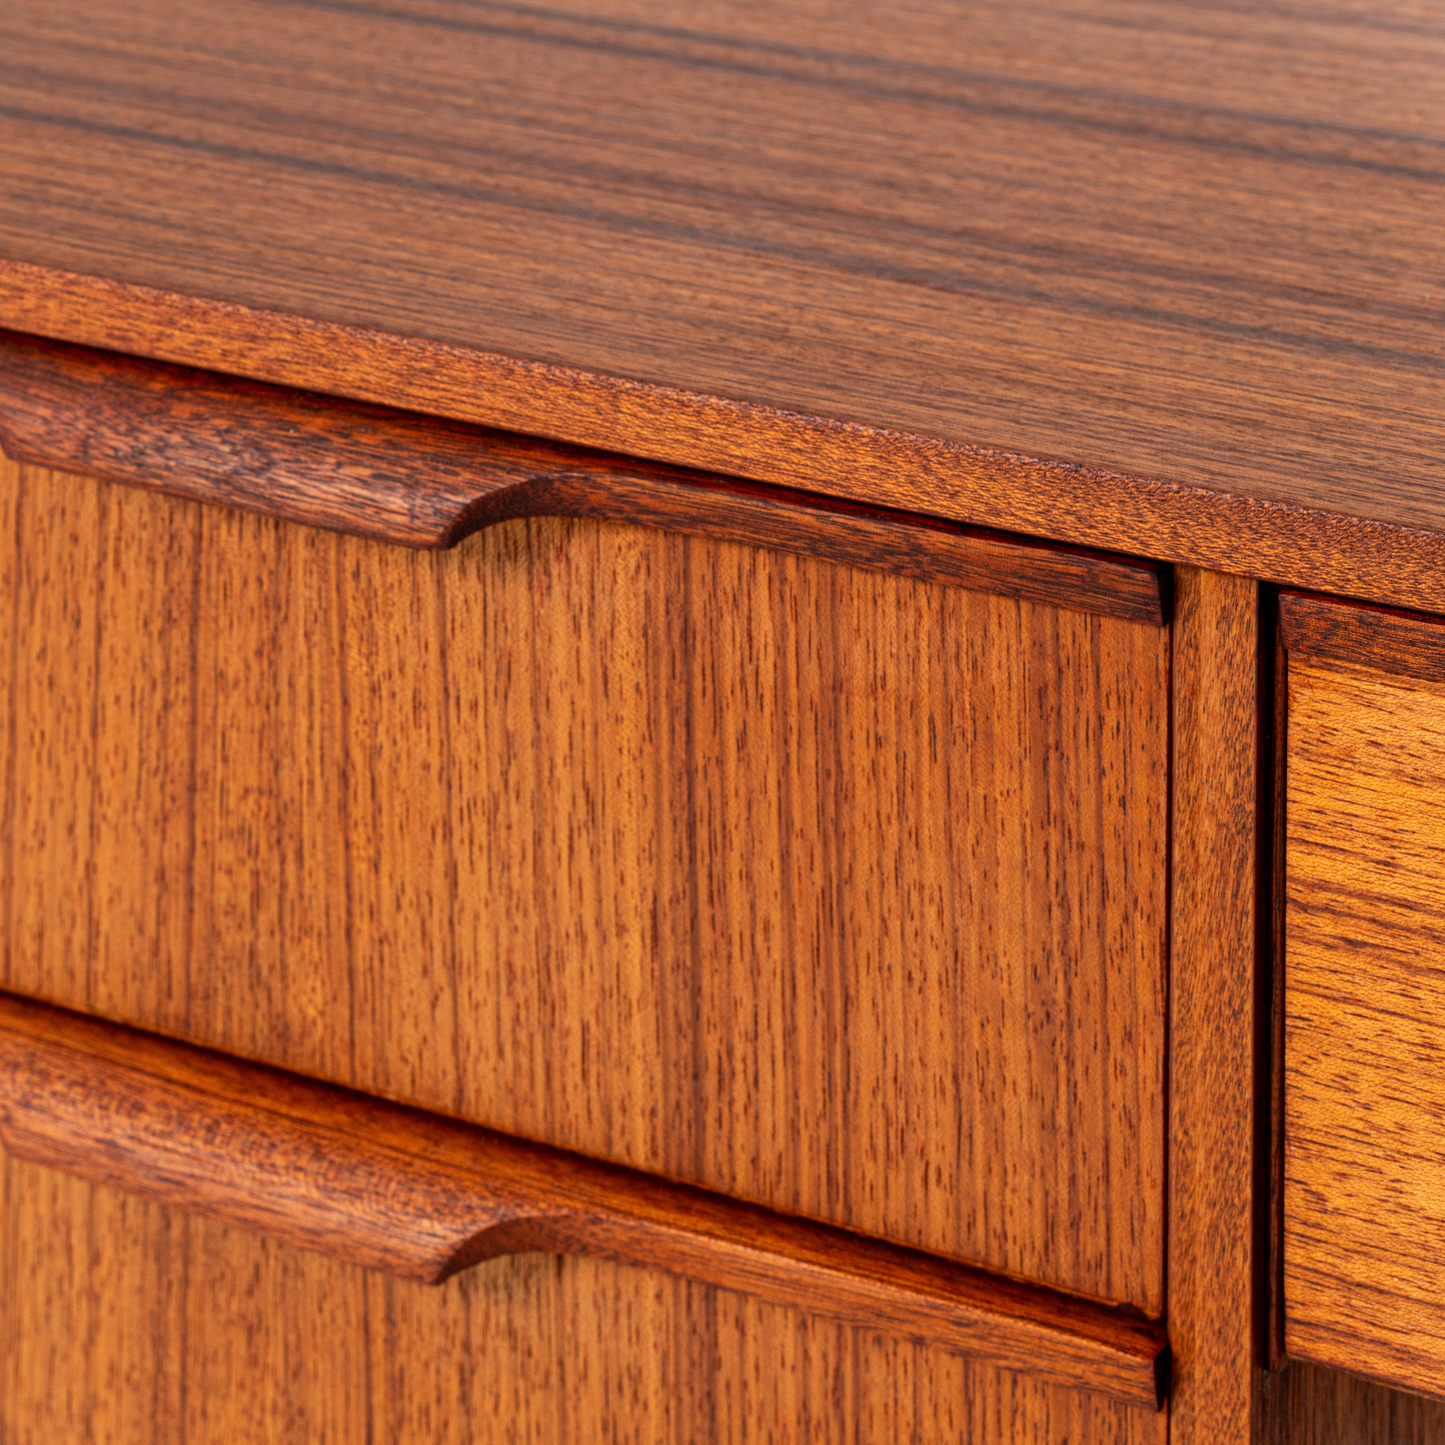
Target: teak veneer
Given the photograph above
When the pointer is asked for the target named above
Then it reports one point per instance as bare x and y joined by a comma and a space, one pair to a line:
419, 482
1130, 275
785, 878
1364, 1209
420, 1197
791, 656
229, 1335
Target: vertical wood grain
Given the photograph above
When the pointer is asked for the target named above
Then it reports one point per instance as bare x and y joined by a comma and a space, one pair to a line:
205, 1335
1308, 1405
53, 704
1212, 1086
1364, 1219
94, 1298
833, 890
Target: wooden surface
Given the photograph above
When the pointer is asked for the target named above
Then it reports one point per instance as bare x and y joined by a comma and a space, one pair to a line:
895, 254
1308, 1405
134, 1324
1269, 910
422, 1197
419, 482
833, 891
1364, 972
1402, 643
1213, 1260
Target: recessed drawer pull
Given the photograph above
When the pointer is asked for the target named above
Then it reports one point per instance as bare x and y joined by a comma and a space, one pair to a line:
412, 480
421, 1196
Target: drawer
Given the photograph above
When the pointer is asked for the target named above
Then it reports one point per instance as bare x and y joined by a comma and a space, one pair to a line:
420, 1286
835, 891
1364, 1091
130, 1322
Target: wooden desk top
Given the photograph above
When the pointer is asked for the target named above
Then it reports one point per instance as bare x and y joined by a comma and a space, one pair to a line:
1162, 277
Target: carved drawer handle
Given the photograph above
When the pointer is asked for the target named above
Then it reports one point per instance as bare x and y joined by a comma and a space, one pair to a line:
421, 482
418, 1195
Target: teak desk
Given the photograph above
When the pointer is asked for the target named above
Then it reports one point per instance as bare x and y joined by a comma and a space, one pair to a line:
722, 723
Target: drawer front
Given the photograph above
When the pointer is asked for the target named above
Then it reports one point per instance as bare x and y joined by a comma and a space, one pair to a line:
835, 891
1364, 1189
130, 1323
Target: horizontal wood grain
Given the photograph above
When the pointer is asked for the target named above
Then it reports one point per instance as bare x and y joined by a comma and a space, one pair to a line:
422, 1197
1124, 274
398, 477
219, 1335
1403, 643
1364, 1206
832, 890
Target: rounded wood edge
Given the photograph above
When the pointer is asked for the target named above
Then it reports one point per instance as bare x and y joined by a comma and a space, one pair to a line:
419, 481
413, 1194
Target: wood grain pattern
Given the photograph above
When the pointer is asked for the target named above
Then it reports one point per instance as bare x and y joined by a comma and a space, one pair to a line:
1364, 1212
1269, 908
829, 890
1406, 644
1212, 1059
402, 478
419, 1196
1307, 1405
1124, 273
134, 1323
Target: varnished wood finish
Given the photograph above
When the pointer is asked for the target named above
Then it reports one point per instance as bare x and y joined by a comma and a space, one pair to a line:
418, 1196
1212, 1084
1364, 1222
1269, 908
828, 890
419, 482
1308, 1405
1132, 275
1403, 643
134, 1324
